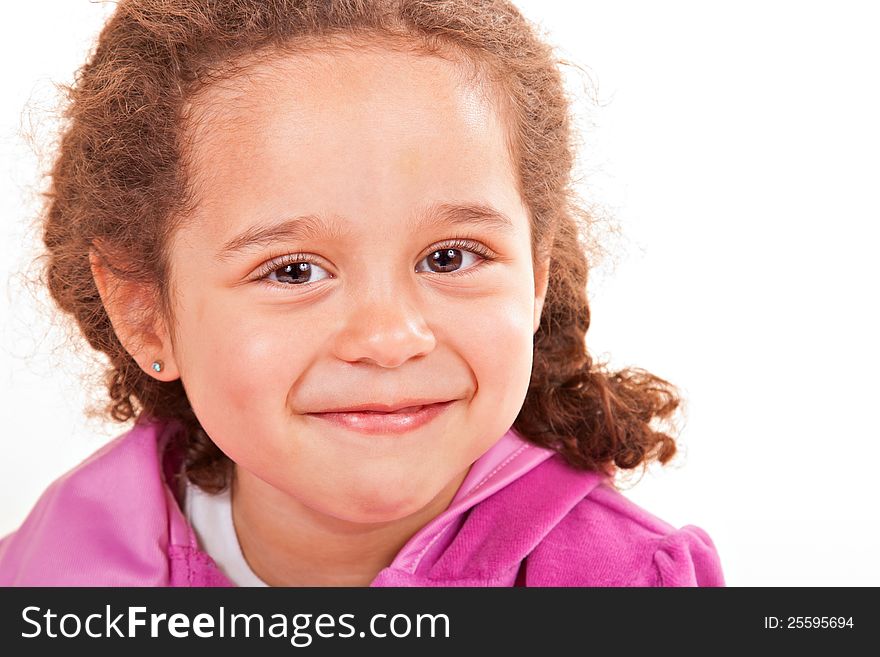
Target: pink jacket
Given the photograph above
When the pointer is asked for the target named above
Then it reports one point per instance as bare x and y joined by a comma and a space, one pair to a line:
521, 517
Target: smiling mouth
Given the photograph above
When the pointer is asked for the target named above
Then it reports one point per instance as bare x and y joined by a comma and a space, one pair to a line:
371, 421
406, 409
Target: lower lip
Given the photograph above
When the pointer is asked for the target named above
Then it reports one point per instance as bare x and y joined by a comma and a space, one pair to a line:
385, 423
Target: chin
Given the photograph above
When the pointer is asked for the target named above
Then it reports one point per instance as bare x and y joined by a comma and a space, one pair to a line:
379, 509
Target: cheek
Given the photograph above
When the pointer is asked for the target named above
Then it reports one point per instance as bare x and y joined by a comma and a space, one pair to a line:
497, 342
239, 363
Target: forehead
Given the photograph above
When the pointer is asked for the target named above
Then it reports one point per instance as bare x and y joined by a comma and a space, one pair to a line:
345, 133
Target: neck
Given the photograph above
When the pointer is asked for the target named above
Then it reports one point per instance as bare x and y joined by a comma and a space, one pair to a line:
289, 544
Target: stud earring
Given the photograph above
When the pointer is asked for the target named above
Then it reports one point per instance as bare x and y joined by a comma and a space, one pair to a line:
157, 365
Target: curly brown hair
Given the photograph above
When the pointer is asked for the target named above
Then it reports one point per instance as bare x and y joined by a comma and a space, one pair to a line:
119, 188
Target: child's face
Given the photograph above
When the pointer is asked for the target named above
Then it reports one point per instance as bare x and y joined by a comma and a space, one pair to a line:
369, 142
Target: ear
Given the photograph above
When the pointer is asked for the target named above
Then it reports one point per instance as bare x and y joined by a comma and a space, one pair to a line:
136, 321
542, 278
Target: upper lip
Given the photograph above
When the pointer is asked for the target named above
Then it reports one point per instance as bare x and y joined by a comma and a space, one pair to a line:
382, 408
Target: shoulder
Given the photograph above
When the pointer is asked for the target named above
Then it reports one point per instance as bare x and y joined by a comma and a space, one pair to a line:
105, 522
608, 540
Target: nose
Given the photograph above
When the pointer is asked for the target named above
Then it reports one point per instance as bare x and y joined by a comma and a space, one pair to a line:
384, 326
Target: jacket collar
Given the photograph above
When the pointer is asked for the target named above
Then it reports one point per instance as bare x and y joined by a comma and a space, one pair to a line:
494, 537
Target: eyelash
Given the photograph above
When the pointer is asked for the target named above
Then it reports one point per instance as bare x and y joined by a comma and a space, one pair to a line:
457, 243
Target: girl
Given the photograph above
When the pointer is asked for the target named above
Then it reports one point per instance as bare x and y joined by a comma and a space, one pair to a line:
333, 255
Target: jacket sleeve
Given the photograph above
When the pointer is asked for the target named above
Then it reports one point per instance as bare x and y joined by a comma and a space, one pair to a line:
4, 543
688, 557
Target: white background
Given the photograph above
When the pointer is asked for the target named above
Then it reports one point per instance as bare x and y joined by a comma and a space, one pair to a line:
737, 146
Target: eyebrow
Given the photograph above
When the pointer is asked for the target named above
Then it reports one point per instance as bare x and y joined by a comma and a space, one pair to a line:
312, 226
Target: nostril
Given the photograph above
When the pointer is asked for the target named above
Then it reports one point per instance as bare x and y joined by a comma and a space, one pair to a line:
384, 341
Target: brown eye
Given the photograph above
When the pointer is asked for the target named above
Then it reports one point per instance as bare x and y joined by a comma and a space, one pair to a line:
297, 273
443, 261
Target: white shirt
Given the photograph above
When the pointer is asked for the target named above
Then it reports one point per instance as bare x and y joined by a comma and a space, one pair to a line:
211, 518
